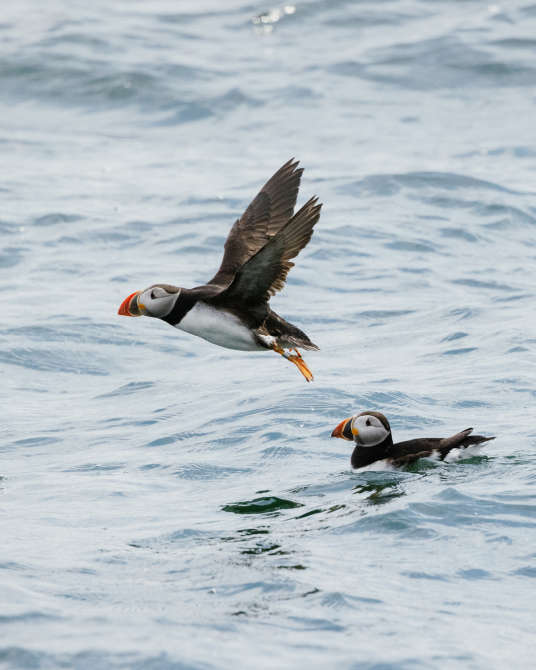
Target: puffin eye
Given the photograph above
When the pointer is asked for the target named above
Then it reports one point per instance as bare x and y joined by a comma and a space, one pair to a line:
158, 293
368, 422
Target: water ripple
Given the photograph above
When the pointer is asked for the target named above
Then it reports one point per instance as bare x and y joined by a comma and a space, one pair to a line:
157, 491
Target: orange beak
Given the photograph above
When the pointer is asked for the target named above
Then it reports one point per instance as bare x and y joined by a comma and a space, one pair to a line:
344, 430
124, 310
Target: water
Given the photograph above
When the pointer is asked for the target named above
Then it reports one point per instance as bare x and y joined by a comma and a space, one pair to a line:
168, 504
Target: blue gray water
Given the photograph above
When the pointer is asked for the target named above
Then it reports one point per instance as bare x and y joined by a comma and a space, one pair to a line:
169, 504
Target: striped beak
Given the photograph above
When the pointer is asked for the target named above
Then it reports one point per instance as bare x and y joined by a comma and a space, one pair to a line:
344, 430
130, 305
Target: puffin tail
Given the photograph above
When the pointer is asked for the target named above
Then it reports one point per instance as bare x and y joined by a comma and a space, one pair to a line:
461, 441
476, 439
307, 345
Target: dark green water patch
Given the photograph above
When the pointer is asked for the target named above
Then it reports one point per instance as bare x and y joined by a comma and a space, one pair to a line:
318, 510
244, 534
261, 506
254, 531
262, 549
473, 460
422, 465
310, 513
380, 492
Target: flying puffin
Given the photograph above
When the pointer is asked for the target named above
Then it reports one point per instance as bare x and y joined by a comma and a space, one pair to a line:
232, 309
371, 433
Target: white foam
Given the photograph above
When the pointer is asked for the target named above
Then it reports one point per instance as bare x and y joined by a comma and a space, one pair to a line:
459, 454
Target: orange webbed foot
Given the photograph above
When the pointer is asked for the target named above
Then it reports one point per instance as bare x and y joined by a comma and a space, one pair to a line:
298, 362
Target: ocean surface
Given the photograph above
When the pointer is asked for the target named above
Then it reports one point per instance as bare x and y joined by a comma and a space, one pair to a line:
166, 504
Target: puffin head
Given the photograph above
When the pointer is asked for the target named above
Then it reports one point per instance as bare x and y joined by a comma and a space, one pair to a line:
367, 429
158, 300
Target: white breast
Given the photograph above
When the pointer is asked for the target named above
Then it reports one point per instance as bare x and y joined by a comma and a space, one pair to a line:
219, 327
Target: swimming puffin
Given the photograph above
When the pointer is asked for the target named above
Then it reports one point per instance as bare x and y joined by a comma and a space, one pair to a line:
371, 433
232, 309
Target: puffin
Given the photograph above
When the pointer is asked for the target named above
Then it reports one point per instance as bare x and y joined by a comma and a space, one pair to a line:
232, 309
371, 433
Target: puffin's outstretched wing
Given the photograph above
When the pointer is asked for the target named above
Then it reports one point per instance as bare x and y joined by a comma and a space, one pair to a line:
265, 273
270, 210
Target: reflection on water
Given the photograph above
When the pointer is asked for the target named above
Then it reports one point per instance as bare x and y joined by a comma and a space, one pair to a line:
378, 493
268, 505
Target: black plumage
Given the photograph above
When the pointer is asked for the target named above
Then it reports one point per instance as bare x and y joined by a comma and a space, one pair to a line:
256, 261
399, 453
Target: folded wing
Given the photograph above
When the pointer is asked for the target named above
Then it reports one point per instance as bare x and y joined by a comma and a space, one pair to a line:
404, 453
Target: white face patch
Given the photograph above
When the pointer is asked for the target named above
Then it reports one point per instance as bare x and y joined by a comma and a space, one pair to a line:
157, 301
368, 430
